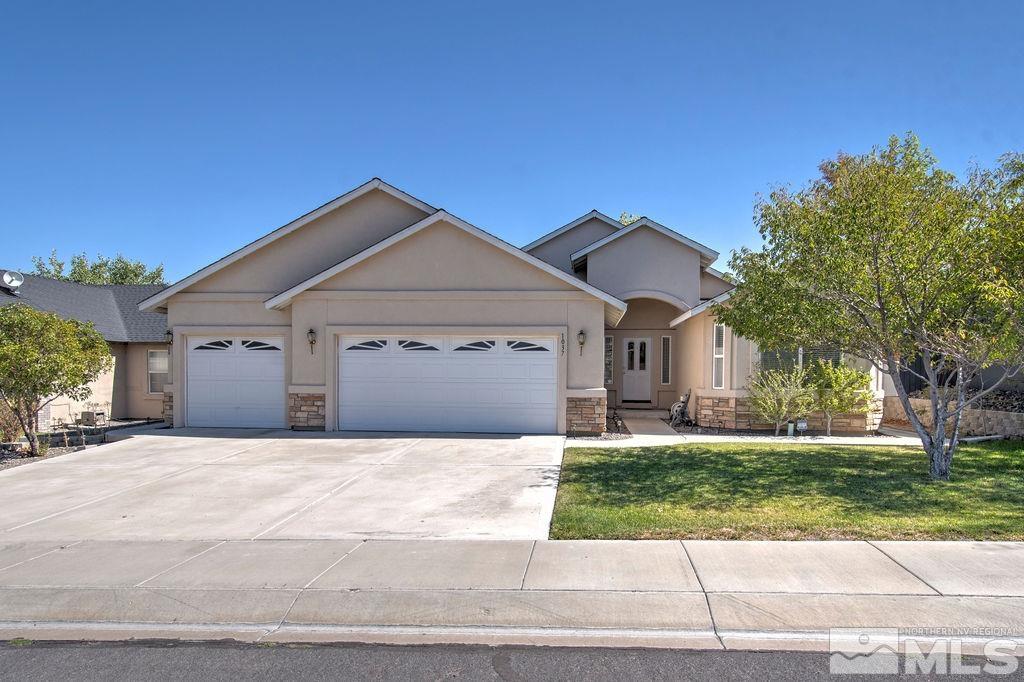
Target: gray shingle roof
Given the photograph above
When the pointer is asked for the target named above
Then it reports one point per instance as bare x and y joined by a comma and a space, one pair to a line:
112, 308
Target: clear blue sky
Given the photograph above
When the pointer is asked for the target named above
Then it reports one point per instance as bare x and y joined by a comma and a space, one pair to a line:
178, 133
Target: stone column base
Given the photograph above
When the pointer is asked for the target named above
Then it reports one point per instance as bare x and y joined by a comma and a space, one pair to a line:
307, 411
585, 416
168, 409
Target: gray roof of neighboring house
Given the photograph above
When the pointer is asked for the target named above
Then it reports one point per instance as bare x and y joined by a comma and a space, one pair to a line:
112, 308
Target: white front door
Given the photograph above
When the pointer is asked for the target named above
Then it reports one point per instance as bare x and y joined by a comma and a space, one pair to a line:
479, 384
636, 372
235, 381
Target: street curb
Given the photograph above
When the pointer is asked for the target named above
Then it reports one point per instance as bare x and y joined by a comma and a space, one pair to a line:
290, 633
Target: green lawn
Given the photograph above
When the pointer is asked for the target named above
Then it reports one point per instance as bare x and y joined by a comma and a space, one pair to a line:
762, 491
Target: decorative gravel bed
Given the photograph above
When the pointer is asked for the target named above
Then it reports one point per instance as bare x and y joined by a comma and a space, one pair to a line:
13, 458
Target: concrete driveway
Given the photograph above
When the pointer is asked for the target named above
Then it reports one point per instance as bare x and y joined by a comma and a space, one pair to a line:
227, 484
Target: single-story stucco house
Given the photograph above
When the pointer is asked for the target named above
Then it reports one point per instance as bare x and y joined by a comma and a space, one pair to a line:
133, 387
378, 311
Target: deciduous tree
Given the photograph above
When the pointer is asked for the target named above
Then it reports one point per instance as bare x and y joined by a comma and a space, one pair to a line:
43, 356
102, 270
892, 258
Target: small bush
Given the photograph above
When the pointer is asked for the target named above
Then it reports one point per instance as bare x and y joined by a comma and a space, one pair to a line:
778, 395
839, 389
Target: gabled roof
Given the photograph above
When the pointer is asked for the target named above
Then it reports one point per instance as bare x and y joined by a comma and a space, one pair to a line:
614, 308
698, 309
112, 308
579, 221
374, 184
709, 254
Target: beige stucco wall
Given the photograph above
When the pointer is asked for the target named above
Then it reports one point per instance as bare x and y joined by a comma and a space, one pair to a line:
123, 391
646, 260
712, 285
316, 246
444, 257
695, 367
557, 250
105, 391
139, 403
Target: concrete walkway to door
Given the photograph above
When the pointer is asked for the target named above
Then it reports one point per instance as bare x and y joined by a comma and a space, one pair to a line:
243, 484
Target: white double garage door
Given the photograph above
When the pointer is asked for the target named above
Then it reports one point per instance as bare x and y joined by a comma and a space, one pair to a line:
477, 384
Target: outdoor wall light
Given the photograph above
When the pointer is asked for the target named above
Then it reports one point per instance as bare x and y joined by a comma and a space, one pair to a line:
311, 337
169, 337
581, 338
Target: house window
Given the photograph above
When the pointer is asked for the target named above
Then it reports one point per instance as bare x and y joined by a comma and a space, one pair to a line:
157, 367
609, 359
718, 357
666, 360
804, 358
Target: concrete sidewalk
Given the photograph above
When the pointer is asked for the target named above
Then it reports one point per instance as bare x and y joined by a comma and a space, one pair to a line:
692, 594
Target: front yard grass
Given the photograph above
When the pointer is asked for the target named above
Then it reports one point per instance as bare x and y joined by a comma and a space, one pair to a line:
789, 492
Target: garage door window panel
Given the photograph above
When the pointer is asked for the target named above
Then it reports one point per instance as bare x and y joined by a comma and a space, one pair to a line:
369, 345
484, 346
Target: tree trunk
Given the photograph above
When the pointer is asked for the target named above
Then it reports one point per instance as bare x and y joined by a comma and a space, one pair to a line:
778, 425
933, 438
27, 418
828, 424
940, 459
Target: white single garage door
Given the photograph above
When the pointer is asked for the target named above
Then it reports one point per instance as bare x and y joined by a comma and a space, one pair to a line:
236, 382
478, 384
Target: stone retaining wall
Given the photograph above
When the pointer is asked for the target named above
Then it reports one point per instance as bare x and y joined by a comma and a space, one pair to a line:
307, 411
973, 422
734, 413
585, 416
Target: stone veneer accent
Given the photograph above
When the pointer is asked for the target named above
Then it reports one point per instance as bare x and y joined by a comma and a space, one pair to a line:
307, 411
168, 409
734, 413
585, 416
972, 422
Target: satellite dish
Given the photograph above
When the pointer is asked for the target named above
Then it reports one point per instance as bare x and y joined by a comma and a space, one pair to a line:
13, 279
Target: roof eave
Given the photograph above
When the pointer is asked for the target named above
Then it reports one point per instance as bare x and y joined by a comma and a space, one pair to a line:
698, 309
571, 225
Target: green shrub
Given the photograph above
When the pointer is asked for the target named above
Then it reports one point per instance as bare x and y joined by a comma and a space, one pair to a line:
778, 395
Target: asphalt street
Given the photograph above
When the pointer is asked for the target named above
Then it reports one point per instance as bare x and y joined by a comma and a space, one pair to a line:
215, 661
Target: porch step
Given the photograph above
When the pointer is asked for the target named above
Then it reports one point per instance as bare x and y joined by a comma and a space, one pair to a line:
634, 413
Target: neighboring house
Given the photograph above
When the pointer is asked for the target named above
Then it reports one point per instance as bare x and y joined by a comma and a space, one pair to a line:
377, 311
133, 388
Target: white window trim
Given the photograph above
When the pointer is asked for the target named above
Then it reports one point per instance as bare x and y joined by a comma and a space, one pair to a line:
663, 367
610, 379
149, 382
715, 356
